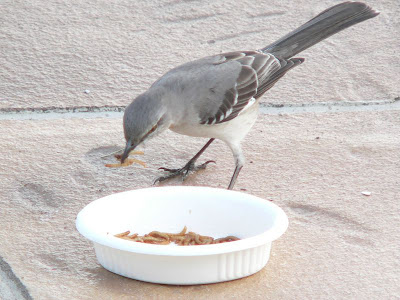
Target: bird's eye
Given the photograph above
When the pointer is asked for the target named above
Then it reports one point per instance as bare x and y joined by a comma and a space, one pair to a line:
148, 133
153, 129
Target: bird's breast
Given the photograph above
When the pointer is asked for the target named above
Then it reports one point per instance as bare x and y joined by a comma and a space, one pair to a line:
231, 132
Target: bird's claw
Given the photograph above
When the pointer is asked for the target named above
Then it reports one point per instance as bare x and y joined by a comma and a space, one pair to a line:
183, 172
169, 170
203, 165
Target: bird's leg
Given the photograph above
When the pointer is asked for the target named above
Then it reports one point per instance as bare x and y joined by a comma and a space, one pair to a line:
235, 175
189, 167
239, 161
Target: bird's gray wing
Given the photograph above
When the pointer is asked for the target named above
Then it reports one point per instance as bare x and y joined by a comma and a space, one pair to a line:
286, 65
258, 72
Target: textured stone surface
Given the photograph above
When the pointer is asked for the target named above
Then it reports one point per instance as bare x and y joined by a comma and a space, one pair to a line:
340, 244
51, 53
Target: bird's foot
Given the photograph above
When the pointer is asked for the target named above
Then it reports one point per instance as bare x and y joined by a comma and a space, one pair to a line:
182, 172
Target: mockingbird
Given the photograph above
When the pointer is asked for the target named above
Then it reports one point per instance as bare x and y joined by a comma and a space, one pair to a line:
217, 96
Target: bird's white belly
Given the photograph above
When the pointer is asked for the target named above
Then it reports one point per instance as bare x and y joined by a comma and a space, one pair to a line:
231, 132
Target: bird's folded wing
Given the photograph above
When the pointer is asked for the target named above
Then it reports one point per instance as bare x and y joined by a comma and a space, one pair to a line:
259, 72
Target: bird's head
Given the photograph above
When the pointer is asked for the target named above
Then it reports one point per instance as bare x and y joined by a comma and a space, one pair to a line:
144, 118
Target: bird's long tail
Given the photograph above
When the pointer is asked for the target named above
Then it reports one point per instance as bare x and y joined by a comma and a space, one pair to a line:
327, 23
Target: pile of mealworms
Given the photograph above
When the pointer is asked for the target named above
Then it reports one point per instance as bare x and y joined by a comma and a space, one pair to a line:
182, 238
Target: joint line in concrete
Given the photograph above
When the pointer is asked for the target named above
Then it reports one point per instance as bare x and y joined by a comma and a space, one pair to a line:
90, 112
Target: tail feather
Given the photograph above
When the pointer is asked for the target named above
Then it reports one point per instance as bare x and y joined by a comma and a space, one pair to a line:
325, 24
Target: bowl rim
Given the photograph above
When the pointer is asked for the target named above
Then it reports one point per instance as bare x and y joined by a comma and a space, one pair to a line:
279, 227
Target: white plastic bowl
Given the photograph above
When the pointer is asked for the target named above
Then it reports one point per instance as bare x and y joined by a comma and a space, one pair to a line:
207, 211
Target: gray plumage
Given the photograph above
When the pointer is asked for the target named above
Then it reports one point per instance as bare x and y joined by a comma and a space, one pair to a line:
217, 96
322, 26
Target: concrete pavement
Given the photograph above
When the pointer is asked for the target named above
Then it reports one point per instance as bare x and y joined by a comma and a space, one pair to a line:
340, 243
314, 163
53, 53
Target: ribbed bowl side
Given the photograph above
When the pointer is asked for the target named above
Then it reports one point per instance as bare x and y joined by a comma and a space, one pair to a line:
242, 263
114, 260
183, 269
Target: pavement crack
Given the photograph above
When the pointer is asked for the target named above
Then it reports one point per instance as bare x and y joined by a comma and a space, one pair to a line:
91, 112
11, 287
330, 107
60, 110
268, 14
191, 19
51, 113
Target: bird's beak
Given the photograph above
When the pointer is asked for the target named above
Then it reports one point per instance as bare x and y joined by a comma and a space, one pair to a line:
128, 148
